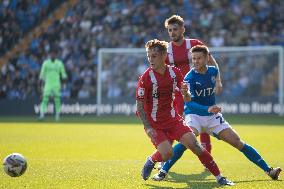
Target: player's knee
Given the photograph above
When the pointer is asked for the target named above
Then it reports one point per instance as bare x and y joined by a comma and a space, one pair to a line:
196, 148
237, 143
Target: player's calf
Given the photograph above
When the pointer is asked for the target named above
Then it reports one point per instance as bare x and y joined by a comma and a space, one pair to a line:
41, 117
57, 116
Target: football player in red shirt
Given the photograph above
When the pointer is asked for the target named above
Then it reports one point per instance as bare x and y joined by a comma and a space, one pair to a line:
154, 98
179, 56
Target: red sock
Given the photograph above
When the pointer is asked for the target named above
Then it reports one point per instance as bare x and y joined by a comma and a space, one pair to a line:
205, 141
207, 160
156, 157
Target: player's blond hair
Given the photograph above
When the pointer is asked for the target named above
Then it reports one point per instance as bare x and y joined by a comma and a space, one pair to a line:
158, 45
200, 48
174, 19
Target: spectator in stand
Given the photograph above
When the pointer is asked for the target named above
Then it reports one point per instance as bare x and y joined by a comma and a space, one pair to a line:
82, 32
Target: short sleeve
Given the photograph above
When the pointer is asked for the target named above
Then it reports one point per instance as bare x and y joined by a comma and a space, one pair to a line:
198, 42
141, 89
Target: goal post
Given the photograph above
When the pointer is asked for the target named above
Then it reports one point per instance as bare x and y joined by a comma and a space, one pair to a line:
102, 73
277, 61
253, 79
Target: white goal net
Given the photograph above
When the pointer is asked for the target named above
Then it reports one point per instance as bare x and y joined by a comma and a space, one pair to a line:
252, 79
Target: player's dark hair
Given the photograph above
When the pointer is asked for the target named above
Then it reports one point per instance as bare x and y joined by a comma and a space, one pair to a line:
200, 48
174, 19
158, 45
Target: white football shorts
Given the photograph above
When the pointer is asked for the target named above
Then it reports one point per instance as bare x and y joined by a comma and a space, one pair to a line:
212, 125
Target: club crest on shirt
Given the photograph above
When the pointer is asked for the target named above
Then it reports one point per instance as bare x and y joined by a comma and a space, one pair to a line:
155, 95
141, 91
197, 83
213, 79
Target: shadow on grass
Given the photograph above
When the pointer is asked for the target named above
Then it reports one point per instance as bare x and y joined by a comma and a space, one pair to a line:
199, 181
259, 180
193, 181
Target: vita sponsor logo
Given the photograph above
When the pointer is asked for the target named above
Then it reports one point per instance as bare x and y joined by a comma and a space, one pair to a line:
205, 92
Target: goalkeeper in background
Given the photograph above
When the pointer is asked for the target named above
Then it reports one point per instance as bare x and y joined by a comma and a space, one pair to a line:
52, 71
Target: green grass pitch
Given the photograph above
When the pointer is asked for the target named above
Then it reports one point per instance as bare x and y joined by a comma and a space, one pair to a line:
110, 156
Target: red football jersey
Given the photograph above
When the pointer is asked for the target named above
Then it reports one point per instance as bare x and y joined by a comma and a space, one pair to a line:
180, 55
157, 91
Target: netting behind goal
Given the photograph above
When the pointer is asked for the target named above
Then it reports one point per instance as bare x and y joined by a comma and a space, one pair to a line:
252, 79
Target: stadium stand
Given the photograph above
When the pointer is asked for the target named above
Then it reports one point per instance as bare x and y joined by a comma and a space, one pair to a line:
18, 17
90, 25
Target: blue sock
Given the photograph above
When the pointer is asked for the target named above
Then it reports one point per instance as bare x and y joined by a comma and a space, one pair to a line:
254, 156
177, 153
